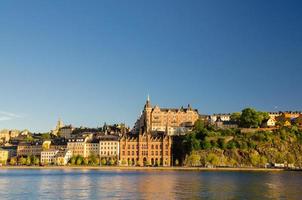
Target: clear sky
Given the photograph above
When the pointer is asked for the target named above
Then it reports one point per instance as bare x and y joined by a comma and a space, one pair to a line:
91, 62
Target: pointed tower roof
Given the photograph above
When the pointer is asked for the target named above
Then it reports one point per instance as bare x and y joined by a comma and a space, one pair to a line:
148, 103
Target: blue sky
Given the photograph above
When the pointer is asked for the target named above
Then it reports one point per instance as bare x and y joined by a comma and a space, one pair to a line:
91, 62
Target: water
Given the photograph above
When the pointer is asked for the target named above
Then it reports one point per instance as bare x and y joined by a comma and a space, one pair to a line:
120, 184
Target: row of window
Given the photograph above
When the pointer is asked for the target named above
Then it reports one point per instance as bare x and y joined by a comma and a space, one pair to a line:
145, 146
108, 153
145, 153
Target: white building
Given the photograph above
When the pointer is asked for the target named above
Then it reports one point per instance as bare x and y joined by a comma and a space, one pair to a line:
49, 156
109, 146
225, 117
55, 156
63, 157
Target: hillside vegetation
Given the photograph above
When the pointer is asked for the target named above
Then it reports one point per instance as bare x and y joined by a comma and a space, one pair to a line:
207, 146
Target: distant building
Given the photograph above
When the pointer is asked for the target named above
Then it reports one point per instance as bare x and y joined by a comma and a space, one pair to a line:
225, 124
56, 130
225, 117
171, 120
7, 135
66, 131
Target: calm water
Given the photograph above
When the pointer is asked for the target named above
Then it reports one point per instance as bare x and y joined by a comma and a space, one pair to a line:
115, 184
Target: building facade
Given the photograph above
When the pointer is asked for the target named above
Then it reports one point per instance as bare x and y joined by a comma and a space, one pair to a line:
109, 147
4, 155
146, 149
170, 120
48, 156
32, 148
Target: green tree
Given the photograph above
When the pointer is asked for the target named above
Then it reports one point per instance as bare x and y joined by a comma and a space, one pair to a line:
235, 117
73, 160
79, 160
46, 136
263, 117
112, 161
255, 159
212, 159
36, 160
130, 163
221, 143
249, 118
206, 144
103, 161
28, 161
191, 143
193, 160
13, 161
85, 161
124, 162
198, 126
263, 161
93, 159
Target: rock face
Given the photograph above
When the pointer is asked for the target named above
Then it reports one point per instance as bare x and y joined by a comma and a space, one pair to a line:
256, 149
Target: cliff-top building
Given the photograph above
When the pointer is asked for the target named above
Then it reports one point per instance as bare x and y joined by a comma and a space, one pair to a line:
173, 121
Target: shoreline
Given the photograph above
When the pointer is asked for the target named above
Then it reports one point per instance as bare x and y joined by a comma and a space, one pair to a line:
145, 168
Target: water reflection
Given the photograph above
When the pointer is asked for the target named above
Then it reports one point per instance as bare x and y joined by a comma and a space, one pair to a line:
115, 184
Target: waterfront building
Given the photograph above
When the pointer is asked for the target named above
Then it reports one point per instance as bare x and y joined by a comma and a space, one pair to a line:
55, 156
173, 121
141, 149
4, 155
63, 156
12, 150
32, 148
92, 148
48, 156
83, 145
109, 146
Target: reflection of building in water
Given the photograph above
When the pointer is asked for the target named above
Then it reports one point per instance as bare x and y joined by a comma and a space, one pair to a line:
156, 185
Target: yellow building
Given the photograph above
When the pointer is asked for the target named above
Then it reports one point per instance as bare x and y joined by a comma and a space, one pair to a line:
4, 155
83, 145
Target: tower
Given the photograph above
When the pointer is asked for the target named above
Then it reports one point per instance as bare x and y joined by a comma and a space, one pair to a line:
147, 115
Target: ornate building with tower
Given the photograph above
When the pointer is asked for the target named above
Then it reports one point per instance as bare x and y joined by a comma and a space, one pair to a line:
173, 121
